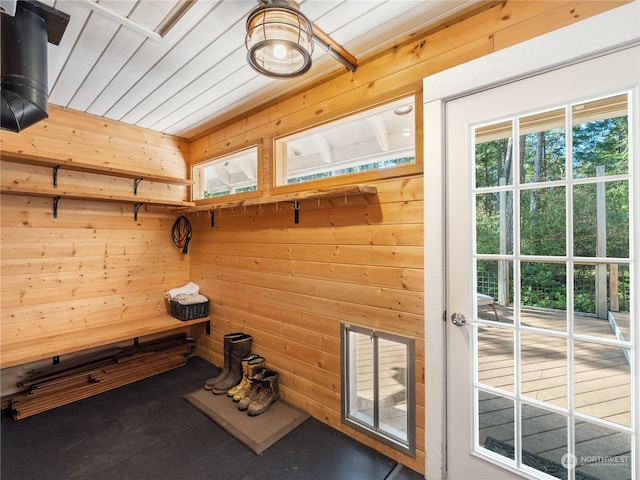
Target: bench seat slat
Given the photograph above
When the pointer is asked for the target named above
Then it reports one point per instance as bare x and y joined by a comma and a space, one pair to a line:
17, 352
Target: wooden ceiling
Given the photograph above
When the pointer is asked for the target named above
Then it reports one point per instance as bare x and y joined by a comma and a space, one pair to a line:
179, 66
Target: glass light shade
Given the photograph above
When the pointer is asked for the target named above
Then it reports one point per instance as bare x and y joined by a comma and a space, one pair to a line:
279, 41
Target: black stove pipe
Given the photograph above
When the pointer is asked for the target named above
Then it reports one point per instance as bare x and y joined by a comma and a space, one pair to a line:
23, 62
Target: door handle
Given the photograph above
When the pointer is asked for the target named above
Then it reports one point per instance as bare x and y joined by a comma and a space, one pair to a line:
458, 319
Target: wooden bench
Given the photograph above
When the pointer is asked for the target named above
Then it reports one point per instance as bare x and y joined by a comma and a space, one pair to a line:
17, 352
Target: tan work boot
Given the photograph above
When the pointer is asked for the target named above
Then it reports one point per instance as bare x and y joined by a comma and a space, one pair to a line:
248, 363
255, 366
268, 393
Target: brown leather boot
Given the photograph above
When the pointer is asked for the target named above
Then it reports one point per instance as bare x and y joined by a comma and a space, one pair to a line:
239, 347
268, 393
208, 385
254, 388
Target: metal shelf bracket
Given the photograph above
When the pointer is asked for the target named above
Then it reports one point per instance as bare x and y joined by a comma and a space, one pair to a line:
55, 206
55, 176
136, 182
296, 212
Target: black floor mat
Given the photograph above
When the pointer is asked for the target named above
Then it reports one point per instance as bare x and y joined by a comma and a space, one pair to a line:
146, 430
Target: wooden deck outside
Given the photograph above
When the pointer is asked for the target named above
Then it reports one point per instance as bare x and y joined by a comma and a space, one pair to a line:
392, 385
602, 389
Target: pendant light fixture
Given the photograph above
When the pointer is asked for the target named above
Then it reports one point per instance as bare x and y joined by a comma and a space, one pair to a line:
279, 40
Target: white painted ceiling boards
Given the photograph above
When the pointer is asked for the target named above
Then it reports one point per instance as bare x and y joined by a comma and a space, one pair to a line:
175, 66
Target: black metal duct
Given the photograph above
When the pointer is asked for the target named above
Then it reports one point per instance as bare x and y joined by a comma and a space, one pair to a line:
23, 62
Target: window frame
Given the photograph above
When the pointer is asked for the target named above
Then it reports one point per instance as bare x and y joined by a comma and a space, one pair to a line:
357, 177
409, 446
198, 186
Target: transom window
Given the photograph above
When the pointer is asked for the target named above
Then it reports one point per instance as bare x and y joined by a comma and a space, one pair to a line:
378, 138
227, 175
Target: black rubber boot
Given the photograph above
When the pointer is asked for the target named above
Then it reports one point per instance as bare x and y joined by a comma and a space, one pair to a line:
239, 347
208, 385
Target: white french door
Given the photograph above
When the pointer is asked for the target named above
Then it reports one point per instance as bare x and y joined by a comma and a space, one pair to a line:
542, 287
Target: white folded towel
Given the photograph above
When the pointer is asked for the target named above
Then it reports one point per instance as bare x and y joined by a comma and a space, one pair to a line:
190, 299
188, 289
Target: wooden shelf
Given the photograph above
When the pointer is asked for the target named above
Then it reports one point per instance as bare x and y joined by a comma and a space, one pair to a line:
104, 197
346, 191
296, 197
27, 350
71, 164
56, 195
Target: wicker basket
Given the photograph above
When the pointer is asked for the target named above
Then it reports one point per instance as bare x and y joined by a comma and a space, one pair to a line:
189, 312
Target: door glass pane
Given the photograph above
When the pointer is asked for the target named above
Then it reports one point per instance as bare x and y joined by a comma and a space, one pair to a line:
601, 453
543, 295
543, 147
494, 155
603, 382
601, 294
362, 367
600, 222
494, 296
494, 222
542, 221
601, 137
544, 440
544, 368
393, 358
496, 420
495, 357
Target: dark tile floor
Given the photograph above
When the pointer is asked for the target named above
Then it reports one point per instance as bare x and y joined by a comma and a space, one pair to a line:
146, 430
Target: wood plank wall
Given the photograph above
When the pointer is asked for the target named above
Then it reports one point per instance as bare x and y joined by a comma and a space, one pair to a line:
87, 139
290, 285
93, 265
